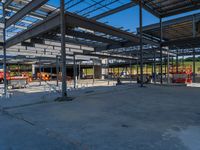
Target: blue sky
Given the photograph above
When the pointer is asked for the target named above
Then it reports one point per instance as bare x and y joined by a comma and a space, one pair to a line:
129, 19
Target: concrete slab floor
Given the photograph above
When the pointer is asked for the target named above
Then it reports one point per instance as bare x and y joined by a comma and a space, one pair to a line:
109, 118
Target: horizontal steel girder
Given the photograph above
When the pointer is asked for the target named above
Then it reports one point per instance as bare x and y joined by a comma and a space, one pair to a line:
33, 5
72, 20
7, 3
113, 11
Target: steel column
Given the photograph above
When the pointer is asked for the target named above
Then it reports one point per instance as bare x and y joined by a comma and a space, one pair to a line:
57, 70
194, 56
152, 69
131, 70
108, 70
168, 67
118, 72
93, 73
74, 70
161, 52
51, 72
194, 66
33, 71
18, 69
79, 71
63, 48
141, 44
4, 50
177, 61
137, 68
154, 65
40, 72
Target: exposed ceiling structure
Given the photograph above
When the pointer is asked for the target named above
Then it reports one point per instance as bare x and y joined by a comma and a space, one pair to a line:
182, 34
166, 8
33, 28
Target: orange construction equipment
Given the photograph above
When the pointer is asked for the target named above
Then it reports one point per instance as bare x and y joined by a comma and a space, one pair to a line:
28, 76
182, 74
2, 76
44, 76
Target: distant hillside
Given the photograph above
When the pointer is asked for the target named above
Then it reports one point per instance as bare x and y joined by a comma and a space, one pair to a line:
190, 59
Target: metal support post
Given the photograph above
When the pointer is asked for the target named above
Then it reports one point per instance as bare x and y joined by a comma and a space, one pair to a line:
51, 72
126, 71
79, 71
172, 63
161, 52
168, 67
141, 44
118, 72
108, 70
63, 48
194, 57
4, 49
146, 66
194, 66
57, 69
165, 68
177, 61
154, 66
93, 73
137, 68
40, 72
18, 69
74, 70
131, 71
33, 71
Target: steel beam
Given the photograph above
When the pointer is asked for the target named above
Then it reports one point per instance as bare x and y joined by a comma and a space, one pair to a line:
181, 11
147, 8
51, 22
113, 11
90, 36
69, 40
31, 14
7, 3
73, 20
183, 42
169, 22
31, 6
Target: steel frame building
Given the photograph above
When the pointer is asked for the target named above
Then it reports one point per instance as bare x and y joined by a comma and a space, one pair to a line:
37, 29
